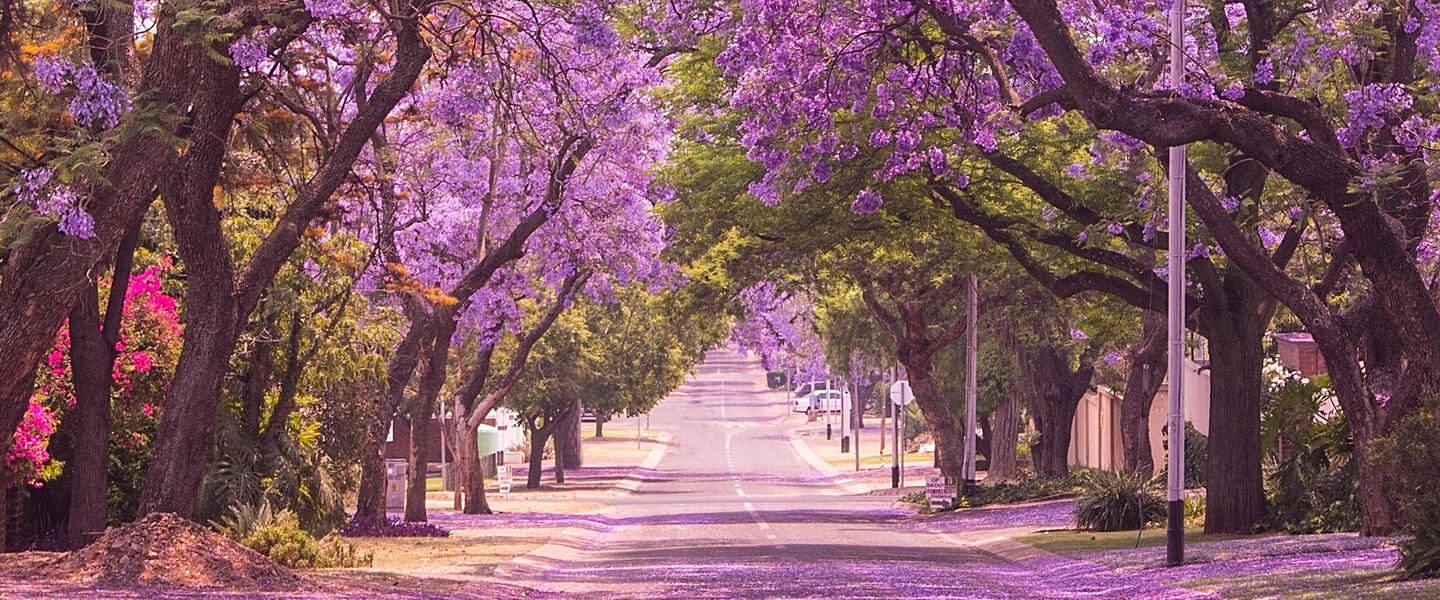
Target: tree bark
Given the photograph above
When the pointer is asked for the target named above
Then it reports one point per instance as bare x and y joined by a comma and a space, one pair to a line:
1004, 460
1057, 397
568, 437
210, 313
1235, 492
420, 414
600, 426
1148, 363
949, 443
470, 475
536, 459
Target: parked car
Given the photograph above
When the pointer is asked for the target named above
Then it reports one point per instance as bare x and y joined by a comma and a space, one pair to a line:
587, 415
822, 401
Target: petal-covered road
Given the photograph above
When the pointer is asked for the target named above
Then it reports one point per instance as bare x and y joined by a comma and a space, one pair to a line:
732, 511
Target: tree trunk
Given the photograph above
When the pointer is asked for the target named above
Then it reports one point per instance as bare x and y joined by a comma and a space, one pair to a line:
1058, 394
470, 475
420, 413
573, 455
600, 425
1004, 462
210, 314
370, 501
949, 445
537, 453
4, 515
1378, 510
1234, 484
1148, 363
419, 464
92, 361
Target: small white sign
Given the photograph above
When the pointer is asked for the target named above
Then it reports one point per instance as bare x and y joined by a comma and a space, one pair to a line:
900, 393
502, 474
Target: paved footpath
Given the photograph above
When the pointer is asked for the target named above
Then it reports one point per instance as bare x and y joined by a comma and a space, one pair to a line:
733, 510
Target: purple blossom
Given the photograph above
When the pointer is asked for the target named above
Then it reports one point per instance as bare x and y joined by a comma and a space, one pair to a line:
1084, 235
1115, 228
939, 165
866, 202
76, 222
248, 53
1264, 72
52, 72
822, 171
1113, 357
1197, 251
1076, 334
764, 193
879, 138
962, 180
1268, 239
1234, 91
324, 9
1295, 212
1230, 203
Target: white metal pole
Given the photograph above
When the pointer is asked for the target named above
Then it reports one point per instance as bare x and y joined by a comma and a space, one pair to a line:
856, 412
1175, 530
972, 348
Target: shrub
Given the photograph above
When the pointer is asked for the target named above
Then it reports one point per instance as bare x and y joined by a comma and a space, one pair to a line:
1021, 490
284, 542
1195, 510
1196, 445
361, 526
336, 553
1111, 500
1409, 458
1313, 489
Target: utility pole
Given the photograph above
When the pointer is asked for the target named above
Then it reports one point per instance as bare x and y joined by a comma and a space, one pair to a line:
1175, 488
972, 345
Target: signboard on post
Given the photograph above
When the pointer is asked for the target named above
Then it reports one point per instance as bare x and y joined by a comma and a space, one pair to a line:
940, 491
900, 393
502, 475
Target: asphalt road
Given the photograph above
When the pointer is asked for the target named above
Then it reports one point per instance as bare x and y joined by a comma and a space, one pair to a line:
732, 511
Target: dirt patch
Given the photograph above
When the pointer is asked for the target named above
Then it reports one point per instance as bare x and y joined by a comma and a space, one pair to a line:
167, 551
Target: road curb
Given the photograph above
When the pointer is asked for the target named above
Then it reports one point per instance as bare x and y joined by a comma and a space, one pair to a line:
846, 486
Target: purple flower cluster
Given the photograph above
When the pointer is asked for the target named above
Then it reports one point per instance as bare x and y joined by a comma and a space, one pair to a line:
98, 102
38, 187
866, 202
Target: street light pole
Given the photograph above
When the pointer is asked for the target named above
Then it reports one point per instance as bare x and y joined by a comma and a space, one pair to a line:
972, 346
1175, 526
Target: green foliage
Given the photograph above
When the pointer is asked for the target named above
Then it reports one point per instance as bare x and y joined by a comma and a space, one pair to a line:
1312, 478
1408, 460
336, 553
277, 534
1194, 511
1112, 500
1196, 459
245, 519
284, 542
1022, 490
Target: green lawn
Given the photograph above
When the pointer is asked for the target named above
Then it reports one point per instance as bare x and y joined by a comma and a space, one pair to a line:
1070, 543
911, 459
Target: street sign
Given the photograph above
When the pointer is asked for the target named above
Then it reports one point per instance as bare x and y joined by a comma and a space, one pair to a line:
900, 393
502, 474
940, 490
